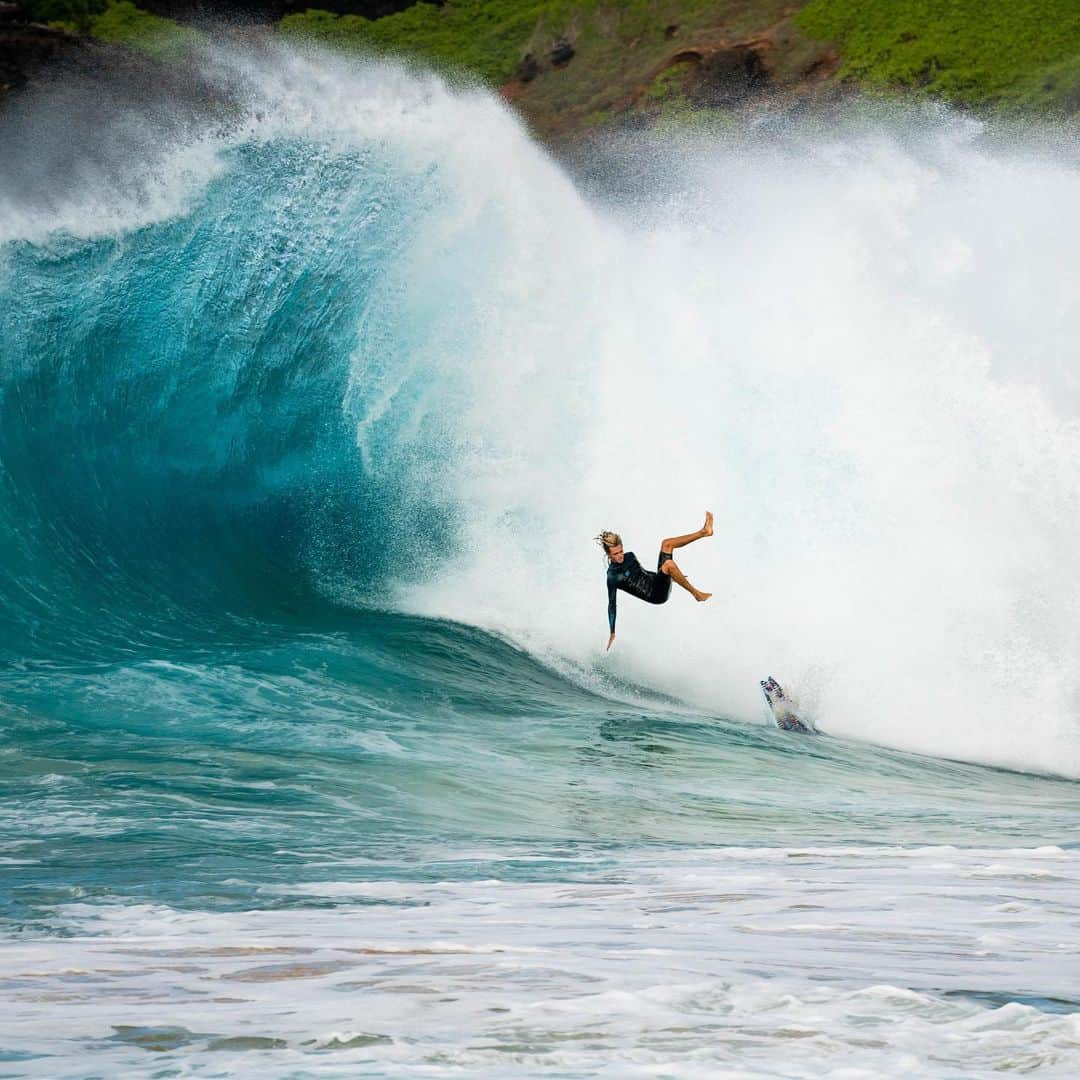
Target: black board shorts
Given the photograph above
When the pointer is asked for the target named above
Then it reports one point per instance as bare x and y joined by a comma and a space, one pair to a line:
662, 582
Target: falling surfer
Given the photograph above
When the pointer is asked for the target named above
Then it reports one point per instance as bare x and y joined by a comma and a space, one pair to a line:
626, 573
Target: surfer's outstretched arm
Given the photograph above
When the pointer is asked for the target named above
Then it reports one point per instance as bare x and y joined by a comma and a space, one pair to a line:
611, 593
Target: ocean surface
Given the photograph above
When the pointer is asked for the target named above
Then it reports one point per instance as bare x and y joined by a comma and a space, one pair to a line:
314, 389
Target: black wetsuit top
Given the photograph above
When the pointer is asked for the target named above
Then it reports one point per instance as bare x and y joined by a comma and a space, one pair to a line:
631, 577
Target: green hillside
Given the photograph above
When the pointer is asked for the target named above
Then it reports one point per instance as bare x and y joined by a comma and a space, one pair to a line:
1003, 53
570, 65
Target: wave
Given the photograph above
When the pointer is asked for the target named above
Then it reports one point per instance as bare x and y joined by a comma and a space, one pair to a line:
349, 337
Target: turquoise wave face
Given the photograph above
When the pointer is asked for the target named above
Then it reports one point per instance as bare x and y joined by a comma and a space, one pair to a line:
175, 452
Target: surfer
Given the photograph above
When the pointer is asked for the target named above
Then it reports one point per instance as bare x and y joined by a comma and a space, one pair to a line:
626, 573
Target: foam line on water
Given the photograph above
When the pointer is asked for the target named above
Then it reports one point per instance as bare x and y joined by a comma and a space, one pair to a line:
679, 962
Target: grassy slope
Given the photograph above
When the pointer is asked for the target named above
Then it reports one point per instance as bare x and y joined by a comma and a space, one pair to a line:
483, 37
120, 22
124, 24
1009, 54
998, 53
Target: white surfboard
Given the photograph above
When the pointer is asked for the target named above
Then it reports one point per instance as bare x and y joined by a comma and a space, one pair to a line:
783, 709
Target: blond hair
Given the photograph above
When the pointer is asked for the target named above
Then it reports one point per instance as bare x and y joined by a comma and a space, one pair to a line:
607, 540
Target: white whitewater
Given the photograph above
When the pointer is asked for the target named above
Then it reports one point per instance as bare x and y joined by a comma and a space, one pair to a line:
857, 348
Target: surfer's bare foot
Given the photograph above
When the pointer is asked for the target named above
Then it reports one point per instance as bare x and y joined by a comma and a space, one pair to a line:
699, 596
706, 530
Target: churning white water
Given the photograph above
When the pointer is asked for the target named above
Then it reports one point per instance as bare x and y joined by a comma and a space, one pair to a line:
856, 346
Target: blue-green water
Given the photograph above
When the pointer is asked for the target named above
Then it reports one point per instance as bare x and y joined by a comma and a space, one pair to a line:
308, 751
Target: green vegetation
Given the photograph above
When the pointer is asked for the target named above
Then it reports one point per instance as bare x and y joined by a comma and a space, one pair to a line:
977, 53
1005, 53
668, 85
666, 99
640, 56
599, 118
75, 14
485, 37
121, 23
124, 24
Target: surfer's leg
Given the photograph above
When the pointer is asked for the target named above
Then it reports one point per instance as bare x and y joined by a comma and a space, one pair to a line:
679, 578
672, 542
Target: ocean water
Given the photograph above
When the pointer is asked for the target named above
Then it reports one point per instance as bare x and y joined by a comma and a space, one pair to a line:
312, 394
